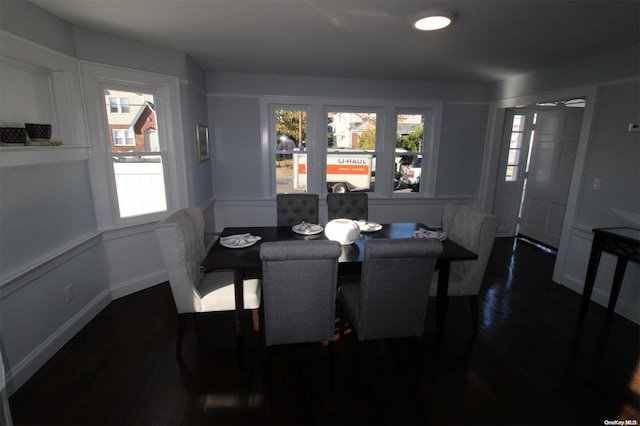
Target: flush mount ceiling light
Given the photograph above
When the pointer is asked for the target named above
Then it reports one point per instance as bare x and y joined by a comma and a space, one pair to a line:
433, 20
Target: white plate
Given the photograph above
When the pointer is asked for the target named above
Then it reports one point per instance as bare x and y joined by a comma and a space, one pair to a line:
366, 226
422, 233
239, 241
307, 228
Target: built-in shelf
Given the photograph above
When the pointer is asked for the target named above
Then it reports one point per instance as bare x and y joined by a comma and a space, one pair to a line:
25, 156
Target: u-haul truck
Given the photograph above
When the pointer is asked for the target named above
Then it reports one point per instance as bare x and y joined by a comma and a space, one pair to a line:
344, 172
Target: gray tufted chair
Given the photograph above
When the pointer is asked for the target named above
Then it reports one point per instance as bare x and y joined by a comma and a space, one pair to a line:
390, 298
349, 205
181, 239
294, 208
299, 291
476, 231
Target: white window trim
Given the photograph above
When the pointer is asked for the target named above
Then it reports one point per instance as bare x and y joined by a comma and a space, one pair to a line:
317, 108
96, 77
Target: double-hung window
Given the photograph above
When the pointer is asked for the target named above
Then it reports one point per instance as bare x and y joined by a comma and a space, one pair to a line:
137, 165
411, 150
351, 150
119, 105
288, 143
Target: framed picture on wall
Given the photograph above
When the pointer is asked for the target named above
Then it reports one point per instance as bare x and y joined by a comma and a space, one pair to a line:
202, 142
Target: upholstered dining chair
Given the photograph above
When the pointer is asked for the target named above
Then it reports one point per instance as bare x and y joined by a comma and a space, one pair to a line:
476, 231
294, 208
299, 292
182, 244
390, 298
348, 205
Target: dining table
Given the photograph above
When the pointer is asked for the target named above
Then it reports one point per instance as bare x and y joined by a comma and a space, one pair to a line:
245, 260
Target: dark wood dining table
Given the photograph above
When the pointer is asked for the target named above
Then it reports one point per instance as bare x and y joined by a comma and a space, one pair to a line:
246, 260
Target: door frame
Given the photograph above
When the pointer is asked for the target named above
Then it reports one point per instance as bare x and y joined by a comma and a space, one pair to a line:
491, 159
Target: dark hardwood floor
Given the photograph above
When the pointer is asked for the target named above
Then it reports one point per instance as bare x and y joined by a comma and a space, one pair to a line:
532, 362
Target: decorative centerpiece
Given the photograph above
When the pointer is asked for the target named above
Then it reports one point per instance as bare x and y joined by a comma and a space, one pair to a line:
344, 231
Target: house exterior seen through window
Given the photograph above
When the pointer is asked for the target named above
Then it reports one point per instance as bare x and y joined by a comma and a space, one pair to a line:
289, 142
351, 151
383, 147
410, 152
135, 150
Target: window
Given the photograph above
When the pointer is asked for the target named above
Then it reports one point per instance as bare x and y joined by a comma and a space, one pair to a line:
409, 153
119, 105
351, 151
322, 145
517, 147
123, 137
137, 163
289, 144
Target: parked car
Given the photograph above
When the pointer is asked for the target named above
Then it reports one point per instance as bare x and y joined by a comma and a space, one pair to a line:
413, 171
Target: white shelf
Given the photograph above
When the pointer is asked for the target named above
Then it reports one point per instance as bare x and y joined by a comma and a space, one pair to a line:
26, 156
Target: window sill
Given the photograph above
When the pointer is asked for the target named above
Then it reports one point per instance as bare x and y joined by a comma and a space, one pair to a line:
25, 156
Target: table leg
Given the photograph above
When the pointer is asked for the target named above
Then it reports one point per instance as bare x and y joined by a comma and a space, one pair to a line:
592, 270
442, 299
238, 285
621, 266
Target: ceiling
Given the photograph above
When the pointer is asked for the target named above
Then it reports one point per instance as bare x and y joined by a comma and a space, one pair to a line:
491, 39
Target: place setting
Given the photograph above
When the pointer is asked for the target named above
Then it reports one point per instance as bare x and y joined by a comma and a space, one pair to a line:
367, 226
239, 240
428, 233
306, 228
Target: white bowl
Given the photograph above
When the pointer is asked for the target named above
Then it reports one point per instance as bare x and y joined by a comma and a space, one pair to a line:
344, 231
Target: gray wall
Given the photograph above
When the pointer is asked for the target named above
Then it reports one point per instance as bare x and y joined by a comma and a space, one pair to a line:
461, 149
42, 209
614, 158
48, 234
234, 117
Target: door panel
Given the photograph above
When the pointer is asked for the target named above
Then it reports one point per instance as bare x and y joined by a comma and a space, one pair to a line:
551, 166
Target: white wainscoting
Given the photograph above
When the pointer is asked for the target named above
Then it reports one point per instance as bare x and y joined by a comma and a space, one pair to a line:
36, 317
571, 271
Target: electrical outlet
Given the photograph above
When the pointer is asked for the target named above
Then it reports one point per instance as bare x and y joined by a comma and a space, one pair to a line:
596, 184
68, 291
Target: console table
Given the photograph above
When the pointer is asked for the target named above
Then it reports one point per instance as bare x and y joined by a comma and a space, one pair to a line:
621, 242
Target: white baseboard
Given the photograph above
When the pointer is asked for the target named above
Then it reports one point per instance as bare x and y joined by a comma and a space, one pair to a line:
138, 283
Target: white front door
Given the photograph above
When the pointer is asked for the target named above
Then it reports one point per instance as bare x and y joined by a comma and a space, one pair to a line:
549, 177
513, 167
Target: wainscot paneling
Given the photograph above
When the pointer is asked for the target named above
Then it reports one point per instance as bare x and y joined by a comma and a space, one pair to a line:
573, 271
46, 306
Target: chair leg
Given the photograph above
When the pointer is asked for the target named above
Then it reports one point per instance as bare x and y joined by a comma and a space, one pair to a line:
182, 321
332, 381
269, 369
255, 314
473, 304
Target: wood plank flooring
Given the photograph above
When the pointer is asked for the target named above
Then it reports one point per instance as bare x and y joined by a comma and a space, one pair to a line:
532, 362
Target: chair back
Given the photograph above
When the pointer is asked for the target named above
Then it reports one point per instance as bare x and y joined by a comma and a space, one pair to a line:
299, 280
181, 240
476, 231
294, 208
394, 287
349, 205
